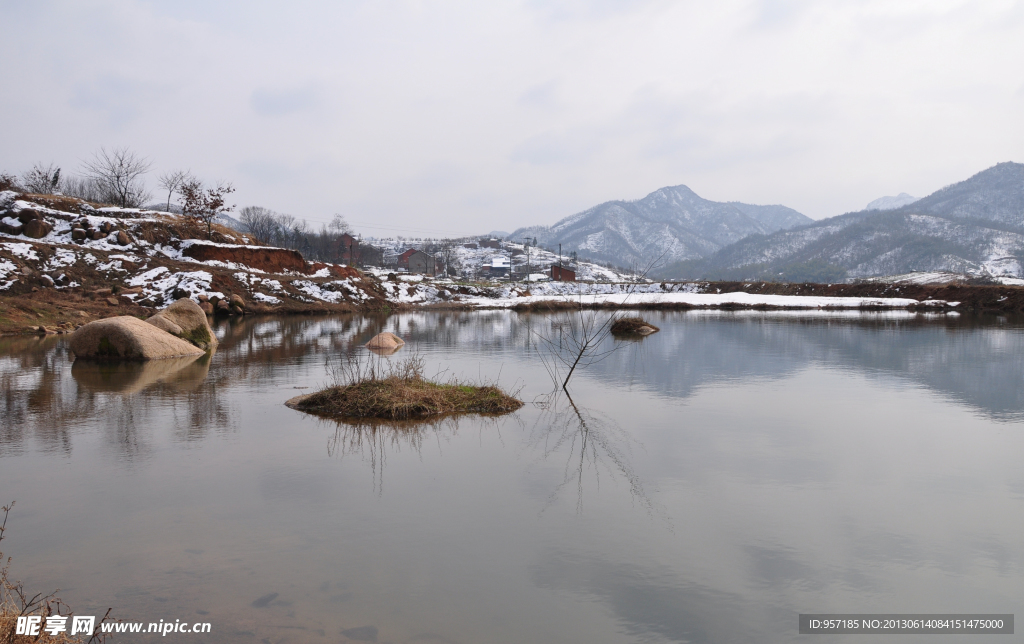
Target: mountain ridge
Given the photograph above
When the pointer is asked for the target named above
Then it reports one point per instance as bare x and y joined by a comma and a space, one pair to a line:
974, 227
671, 223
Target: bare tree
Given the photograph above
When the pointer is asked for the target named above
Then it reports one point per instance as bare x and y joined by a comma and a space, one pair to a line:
43, 180
204, 204
581, 340
119, 174
448, 255
260, 222
339, 225
172, 181
82, 187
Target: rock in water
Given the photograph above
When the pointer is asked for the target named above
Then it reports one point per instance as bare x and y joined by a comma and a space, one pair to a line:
386, 341
186, 320
161, 322
127, 338
633, 326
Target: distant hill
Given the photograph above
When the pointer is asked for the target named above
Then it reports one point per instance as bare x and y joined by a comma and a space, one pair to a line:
891, 203
975, 227
673, 223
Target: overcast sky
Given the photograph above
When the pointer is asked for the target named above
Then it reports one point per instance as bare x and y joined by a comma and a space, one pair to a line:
464, 117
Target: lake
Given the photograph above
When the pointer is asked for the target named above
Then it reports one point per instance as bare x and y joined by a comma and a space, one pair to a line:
705, 484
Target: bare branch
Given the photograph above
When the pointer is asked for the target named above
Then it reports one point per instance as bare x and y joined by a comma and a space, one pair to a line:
172, 181
119, 174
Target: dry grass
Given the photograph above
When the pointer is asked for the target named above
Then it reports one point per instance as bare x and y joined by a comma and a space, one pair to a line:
60, 202
398, 391
632, 326
16, 602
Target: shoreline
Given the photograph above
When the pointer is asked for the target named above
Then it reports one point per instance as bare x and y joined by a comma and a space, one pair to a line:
52, 312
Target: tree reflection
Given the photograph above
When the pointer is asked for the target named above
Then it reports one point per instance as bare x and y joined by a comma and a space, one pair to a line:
593, 444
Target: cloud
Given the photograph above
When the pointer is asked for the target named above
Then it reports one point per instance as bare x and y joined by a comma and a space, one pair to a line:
118, 98
548, 108
282, 102
558, 148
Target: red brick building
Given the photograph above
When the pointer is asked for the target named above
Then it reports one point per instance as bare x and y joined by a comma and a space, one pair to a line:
562, 274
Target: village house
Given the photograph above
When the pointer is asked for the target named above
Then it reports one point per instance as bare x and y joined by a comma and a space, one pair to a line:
562, 273
421, 263
403, 259
499, 266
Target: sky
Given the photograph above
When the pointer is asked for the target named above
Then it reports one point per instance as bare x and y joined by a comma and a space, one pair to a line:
451, 118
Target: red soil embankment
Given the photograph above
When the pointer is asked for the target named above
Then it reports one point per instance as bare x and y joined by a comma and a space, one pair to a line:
267, 259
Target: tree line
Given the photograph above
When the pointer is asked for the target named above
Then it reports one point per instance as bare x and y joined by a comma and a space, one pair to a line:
326, 244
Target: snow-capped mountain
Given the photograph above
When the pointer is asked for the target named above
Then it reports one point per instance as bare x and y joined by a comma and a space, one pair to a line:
975, 227
891, 203
672, 223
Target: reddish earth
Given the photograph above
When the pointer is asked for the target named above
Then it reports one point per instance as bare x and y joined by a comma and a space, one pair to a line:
268, 260
61, 311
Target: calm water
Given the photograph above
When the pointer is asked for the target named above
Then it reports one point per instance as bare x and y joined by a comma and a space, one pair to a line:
719, 478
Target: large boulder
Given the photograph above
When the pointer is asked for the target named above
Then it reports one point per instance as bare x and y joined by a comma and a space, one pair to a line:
186, 320
37, 228
127, 338
385, 341
11, 226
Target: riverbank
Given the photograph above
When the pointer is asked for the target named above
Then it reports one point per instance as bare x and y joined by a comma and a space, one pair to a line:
61, 311
87, 261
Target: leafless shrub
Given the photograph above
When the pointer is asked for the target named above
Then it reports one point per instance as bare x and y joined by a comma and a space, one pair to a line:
9, 182
42, 179
118, 174
580, 341
85, 188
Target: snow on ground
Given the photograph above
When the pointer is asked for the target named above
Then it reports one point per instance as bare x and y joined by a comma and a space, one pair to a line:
404, 293
160, 285
333, 292
265, 299
714, 299
62, 257
598, 285
7, 269
930, 277
24, 251
255, 281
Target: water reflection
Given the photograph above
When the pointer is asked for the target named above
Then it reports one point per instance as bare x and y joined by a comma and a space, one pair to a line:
811, 462
370, 440
975, 362
183, 374
591, 443
652, 604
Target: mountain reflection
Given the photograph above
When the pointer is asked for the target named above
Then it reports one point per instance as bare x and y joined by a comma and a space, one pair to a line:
976, 364
47, 398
